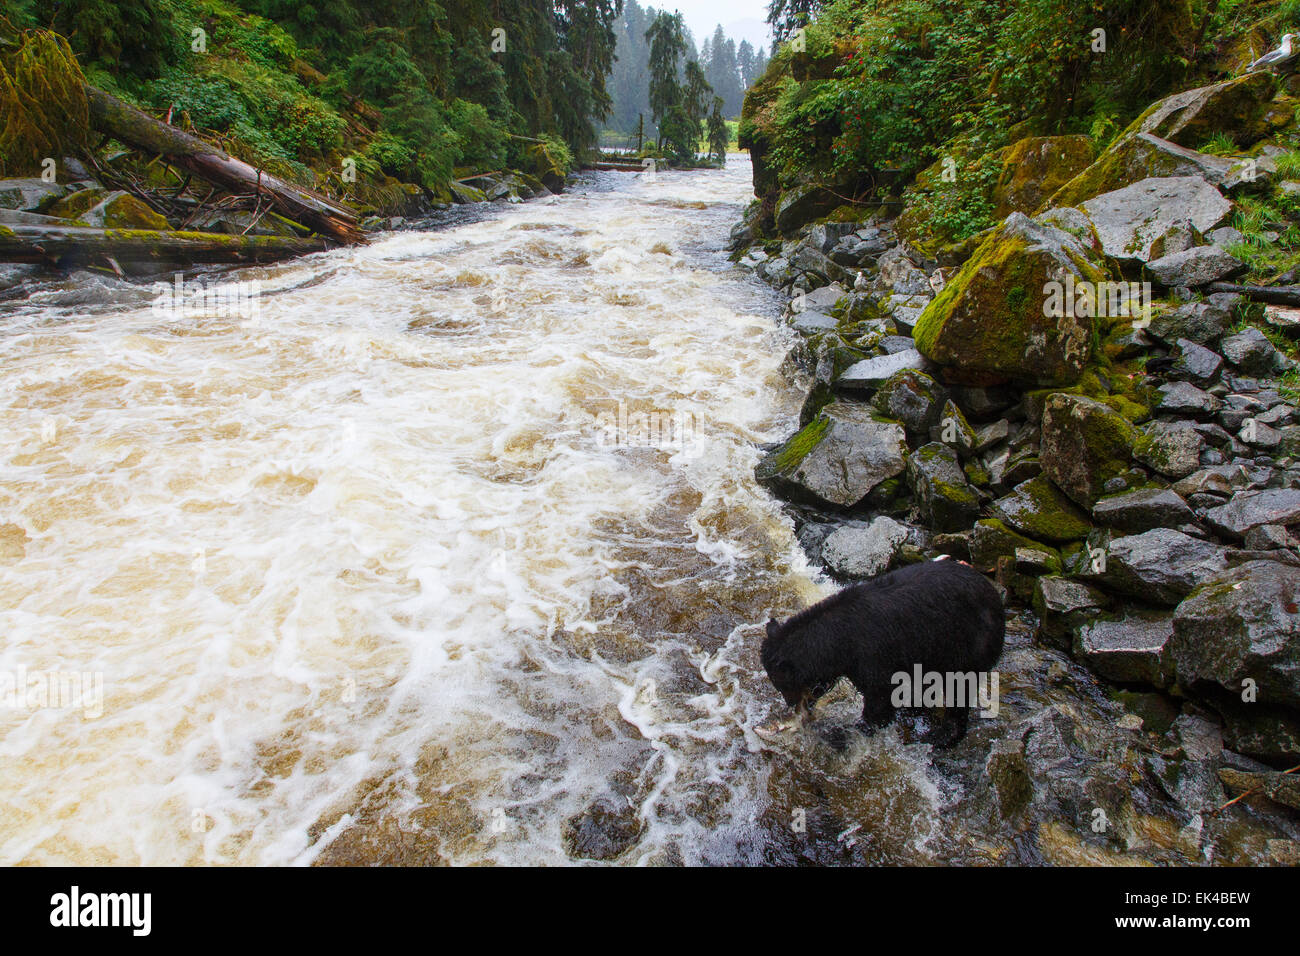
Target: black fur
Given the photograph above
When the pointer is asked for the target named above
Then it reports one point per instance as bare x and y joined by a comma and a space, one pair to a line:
942, 615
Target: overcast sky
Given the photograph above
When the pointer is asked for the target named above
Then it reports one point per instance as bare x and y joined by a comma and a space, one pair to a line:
741, 19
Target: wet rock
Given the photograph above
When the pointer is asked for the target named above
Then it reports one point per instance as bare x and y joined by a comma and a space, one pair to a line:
1160, 566
984, 403
911, 397
1062, 605
29, 195
1171, 448
1277, 506
838, 458
893, 344
874, 372
1241, 625
1196, 362
1037, 166
1129, 650
1038, 509
1250, 351
800, 204
901, 276
1085, 443
1267, 537
1261, 731
603, 831
945, 500
1194, 267
824, 299
1184, 398
1142, 510
1236, 107
991, 540
1129, 220
810, 323
992, 319
1283, 788
1199, 322
864, 552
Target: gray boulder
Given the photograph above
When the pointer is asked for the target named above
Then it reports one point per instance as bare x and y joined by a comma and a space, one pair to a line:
1130, 650
863, 552
1243, 624
1277, 506
1193, 267
29, 195
1142, 510
838, 458
1129, 220
1184, 398
1250, 351
874, 372
1160, 566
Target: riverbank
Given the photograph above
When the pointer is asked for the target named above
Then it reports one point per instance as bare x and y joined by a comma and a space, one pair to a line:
1074, 402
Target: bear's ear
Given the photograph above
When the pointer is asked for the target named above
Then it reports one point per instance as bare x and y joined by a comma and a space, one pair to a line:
772, 628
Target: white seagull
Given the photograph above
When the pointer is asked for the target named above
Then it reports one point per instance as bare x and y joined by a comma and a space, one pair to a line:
1274, 57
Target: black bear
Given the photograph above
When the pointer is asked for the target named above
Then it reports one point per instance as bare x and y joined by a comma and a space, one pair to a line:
934, 618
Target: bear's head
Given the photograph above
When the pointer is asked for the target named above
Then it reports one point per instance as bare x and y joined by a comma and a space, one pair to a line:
782, 671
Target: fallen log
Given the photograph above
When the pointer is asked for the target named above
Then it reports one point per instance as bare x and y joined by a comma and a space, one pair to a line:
136, 128
64, 246
616, 167
1272, 294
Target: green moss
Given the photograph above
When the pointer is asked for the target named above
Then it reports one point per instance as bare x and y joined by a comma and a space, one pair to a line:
796, 449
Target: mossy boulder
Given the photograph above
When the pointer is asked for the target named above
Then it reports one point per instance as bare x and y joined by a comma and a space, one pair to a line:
1040, 510
463, 194
121, 210
802, 204
991, 320
991, 539
1085, 444
839, 458
911, 397
77, 204
1036, 167
1134, 158
945, 501
1237, 108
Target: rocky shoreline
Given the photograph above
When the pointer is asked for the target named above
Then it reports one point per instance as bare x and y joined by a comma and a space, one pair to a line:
1129, 476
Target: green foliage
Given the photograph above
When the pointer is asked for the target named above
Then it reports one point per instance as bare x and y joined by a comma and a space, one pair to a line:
963, 207
139, 37
884, 84
43, 109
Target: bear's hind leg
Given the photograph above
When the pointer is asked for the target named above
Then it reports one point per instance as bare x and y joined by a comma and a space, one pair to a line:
949, 731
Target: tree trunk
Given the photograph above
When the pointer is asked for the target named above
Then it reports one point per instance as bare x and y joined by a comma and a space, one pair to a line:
80, 245
1272, 294
135, 128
